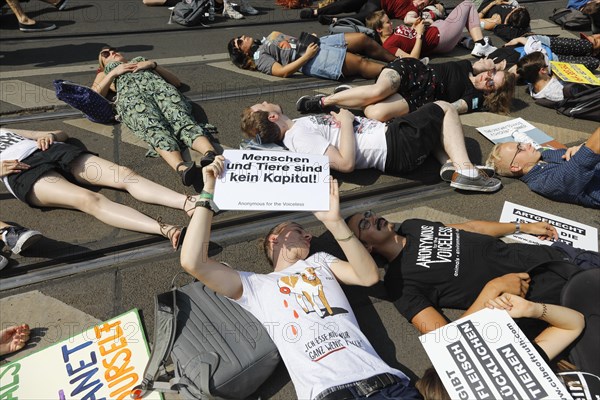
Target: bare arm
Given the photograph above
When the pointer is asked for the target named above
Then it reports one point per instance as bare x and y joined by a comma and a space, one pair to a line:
57, 135
419, 28
360, 269
498, 229
513, 283
412, 17
104, 82
283, 71
565, 324
429, 319
194, 252
461, 106
343, 159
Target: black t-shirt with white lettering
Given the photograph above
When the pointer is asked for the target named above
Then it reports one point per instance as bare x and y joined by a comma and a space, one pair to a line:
446, 267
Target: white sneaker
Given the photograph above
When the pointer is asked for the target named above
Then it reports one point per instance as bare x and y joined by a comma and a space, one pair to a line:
480, 50
246, 8
229, 12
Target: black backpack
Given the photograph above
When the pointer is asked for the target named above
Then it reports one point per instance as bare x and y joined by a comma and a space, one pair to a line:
572, 19
191, 12
581, 101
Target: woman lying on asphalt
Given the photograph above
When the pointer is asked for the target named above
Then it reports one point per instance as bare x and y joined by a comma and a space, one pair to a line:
336, 56
41, 171
150, 105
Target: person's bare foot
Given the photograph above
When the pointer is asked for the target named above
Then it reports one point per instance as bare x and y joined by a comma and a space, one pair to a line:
13, 338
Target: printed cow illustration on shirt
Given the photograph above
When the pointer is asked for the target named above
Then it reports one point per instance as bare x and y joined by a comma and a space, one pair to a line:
307, 288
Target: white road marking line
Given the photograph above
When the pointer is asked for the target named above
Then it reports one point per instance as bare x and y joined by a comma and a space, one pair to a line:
26, 95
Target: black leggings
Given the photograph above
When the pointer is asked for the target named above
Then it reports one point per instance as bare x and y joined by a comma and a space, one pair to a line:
578, 51
362, 8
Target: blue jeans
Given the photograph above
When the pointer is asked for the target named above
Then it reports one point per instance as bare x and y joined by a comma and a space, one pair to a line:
329, 60
397, 391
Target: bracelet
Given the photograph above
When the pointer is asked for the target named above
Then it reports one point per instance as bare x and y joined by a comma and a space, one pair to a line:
205, 195
205, 204
517, 227
346, 238
544, 311
155, 65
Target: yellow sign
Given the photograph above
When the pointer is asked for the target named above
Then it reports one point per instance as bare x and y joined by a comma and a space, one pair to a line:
574, 73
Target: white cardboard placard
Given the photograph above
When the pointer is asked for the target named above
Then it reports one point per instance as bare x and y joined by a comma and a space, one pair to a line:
486, 356
571, 232
273, 180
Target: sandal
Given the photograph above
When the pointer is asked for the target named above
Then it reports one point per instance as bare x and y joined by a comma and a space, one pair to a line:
208, 158
189, 174
168, 231
192, 200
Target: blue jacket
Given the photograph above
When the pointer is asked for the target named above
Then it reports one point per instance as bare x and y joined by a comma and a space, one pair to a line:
574, 181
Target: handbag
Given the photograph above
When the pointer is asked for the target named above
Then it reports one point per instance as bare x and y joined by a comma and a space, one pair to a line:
304, 41
93, 105
344, 25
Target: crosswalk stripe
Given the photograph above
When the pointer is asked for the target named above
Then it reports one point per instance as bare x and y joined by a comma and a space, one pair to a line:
228, 66
26, 95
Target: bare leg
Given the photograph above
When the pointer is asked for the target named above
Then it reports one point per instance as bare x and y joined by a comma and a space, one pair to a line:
361, 96
201, 144
594, 141
393, 106
53, 190
93, 170
171, 157
15, 6
359, 43
453, 139
358, 65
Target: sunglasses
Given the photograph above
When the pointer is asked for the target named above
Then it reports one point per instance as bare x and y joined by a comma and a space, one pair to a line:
106, 53
364, 223
489, 82
520, 148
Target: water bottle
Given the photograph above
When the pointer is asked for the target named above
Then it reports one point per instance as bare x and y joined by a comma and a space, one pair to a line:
523, 138
211, 10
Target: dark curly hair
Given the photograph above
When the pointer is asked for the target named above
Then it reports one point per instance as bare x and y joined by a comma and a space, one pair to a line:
528, 67
519, 18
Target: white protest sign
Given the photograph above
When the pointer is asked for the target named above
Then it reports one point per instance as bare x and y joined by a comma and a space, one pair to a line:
486, 356
273, 180
106, 361
573, 233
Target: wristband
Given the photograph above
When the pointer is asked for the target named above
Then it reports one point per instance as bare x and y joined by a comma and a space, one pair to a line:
517, 227
155, 65
208, 204
205, 195
346, 238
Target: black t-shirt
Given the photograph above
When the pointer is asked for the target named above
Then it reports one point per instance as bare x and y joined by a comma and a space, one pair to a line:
445, 267
454, 83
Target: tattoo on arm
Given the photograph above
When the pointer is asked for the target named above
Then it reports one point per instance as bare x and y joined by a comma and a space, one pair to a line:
393, 77
461, 106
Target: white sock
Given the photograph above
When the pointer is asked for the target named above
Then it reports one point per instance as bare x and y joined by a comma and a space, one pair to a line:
469, 172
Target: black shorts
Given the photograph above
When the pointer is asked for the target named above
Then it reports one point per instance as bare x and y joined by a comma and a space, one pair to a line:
57, 158
418, 82
411, 138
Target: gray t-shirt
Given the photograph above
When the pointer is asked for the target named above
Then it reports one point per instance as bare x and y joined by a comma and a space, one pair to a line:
277, 47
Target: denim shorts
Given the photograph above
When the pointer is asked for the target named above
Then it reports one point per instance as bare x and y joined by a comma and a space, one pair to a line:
329, 60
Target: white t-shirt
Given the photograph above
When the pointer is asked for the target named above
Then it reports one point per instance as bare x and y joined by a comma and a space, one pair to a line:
313, 134
14, 147
321, 346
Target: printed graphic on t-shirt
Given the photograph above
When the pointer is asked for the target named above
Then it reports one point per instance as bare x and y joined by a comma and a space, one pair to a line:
361, 125
307, 289
405, 31
8, 138
438, 245
281, 40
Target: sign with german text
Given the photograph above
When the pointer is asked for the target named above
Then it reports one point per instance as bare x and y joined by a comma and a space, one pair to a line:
486, 356
570, 232
518, 130
104, 362
577, 73
273, 180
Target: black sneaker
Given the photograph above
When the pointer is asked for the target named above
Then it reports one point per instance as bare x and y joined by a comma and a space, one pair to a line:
307, 13
208, 158
61, 5
341, 88
18, 238
325, 19
310, 104
37, 27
